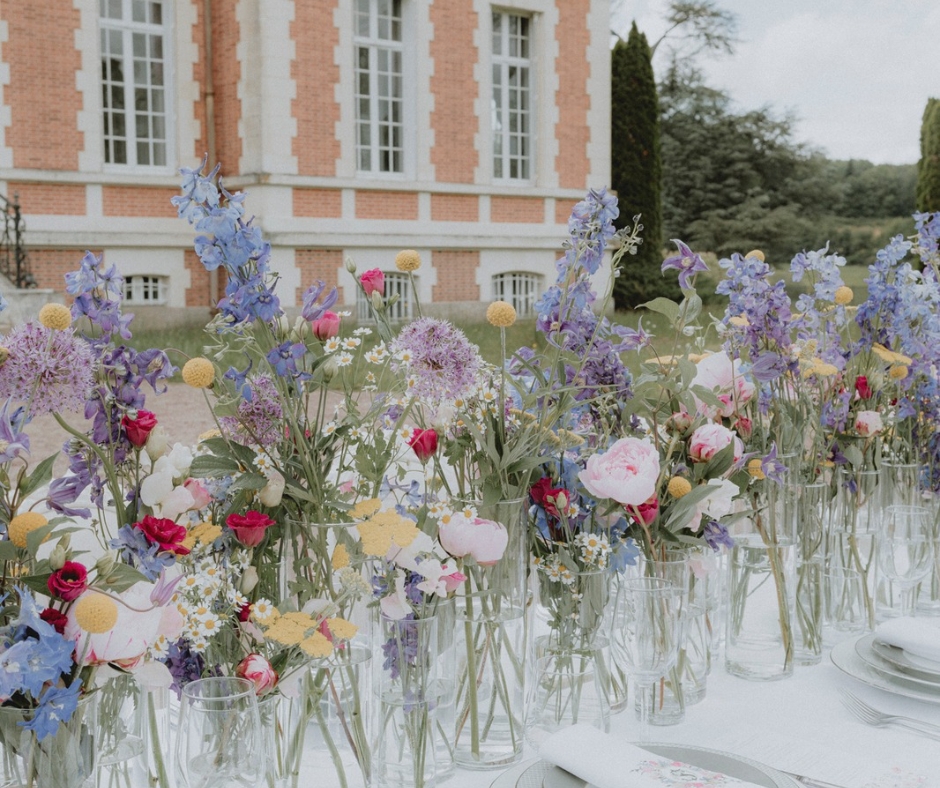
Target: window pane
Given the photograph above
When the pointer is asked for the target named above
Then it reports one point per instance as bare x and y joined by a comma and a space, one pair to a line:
158, 127
156, 13
156, 73
156, 47
139, 10
143, 153
120, 152
140, 45
159, 154
143, 126
156, 100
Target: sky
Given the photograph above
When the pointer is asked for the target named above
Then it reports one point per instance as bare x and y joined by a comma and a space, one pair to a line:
856, 74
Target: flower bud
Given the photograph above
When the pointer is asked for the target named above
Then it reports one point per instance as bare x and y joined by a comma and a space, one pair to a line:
326, 326
273, 491
58, 557
283, 325
330, 368
301, 327
249, 580
259, 672
350, 265
156, 442
105, 564
378, 303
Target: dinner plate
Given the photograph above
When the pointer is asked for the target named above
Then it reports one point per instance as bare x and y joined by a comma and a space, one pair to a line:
904, 662
541, 774
865, 648
845, 658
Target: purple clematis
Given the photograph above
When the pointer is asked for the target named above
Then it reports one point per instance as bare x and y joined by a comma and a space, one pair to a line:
686, 262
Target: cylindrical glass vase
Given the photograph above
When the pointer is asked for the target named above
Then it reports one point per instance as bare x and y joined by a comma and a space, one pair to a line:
808, 504
899, 485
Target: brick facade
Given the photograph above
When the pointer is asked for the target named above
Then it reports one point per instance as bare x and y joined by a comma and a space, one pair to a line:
572, 98
455, 208
50, 266
323, 203
226, 72
386, 205
43, 99
456, 275
199, 77
138, 202
454, 87
517, 209
56, 199
317, 265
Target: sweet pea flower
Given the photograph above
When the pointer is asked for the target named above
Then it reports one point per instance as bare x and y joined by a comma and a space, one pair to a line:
708, 440
273, 491
868, 422
484, 541
626, 472
424, 557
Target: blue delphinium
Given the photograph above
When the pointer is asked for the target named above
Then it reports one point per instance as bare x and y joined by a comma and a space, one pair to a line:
56, 706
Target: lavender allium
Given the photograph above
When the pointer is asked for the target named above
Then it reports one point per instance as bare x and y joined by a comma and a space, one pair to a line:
442, 362
259, 419
53, 370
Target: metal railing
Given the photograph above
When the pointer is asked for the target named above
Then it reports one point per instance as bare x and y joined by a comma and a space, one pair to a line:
14, 262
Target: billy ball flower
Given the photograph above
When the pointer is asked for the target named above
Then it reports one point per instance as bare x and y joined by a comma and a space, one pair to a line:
96, 613
23, 525
57, 365
58, 317
679, 487
501, 314
844, 295
898, 372
199, 373
407, 260
756, 254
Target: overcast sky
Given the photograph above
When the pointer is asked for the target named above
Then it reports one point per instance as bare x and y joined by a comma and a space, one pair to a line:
855, 73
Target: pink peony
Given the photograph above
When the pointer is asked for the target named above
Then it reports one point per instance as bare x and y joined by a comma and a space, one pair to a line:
626, 472
482, 540
708, 440
722, 376
259, 672
868, 422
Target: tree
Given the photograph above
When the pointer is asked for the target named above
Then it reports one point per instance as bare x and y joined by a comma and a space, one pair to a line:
928, 168
694, 26
636, 169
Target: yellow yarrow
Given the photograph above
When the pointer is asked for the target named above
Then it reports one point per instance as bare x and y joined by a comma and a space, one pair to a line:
340, 558
889, 356
286, 632
756, 469
317, 645
199, 373
378, 534
213, 433
365, 508
58, 317
821, 370
757, 254
96, 613
341, 628
23, 525
407, 260
898, 372
844, 295
501, 314
679, 487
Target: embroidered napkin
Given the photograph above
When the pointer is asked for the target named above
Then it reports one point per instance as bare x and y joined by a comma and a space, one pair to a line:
917, 636
608, 762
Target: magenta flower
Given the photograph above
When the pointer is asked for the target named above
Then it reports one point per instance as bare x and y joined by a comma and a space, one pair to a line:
687, 263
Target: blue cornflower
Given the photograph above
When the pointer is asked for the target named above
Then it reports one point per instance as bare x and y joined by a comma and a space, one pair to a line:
687, 263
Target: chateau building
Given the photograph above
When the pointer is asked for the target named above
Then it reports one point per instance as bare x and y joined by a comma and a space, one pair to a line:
465, 129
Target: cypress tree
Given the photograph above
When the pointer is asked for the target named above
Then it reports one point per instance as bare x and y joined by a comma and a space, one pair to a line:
928, 168
636, 167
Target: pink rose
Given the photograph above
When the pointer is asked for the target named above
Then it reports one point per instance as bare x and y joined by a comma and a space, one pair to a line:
868, 422
626, 472
259, 672
201, 497
326, 326
708, 440
482, 540
424, 444
373, 281
722, 376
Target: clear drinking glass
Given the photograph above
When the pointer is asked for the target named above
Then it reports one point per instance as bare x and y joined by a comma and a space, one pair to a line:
648, 634
905, 550
219, 741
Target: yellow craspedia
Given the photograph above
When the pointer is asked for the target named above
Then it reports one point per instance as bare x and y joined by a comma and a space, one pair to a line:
407, 260
317, 645
756, 469
96, 613
58, 317
679, 486
757, 254
198, 372
844, 295
898, 372
340, 558
501, 314
23, 525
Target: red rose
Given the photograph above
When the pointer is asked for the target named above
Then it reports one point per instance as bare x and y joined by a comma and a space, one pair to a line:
862, 388
249, 528
69, 582
424, 443
139, 429
259, 672
373, 281
552, 499
55, 618
165, 533
244, 612
326, 326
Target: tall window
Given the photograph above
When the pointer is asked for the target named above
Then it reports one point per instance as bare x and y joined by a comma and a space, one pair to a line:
512, 96
519, 289
379, 87
133, 81
395, 285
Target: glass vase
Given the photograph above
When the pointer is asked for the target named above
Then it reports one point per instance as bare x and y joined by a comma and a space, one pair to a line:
899, 485
928, 593
413, 677
569, 611
491, 646
65, 759
761, 580
808, 504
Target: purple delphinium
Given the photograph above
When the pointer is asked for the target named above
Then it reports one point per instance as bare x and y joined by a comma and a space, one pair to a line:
717, 536
259, 418
51, 370
440, 358
687, 263
317, 300
13, 441
184, 664
284, 359
403, 645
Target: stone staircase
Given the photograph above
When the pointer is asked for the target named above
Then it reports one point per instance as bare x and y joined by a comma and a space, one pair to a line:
23, 304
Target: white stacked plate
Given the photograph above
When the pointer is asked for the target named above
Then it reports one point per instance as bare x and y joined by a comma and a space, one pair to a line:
541, 774
888, 668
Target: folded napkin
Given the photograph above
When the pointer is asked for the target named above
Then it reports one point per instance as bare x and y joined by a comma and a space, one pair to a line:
917, 636
608, 762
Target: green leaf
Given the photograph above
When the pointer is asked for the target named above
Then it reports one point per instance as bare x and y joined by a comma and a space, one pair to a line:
40, 477
37, 537
210, 465
249, 481
693, 306
121, 577
663, 306
38, 583
720, 463
854, 455
8, 551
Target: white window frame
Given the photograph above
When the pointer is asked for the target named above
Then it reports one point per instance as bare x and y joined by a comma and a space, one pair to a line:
405, 50
501, 59
522, 289
126, 28
138, 289
396, 283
